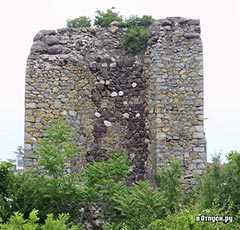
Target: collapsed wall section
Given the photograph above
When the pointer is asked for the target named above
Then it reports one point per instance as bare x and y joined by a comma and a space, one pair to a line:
150, 104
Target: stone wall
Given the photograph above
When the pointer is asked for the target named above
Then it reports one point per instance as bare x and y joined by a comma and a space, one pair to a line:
149, 103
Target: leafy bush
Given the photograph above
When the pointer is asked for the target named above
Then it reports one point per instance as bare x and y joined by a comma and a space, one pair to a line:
81, 21
136, 21
101, 181
101, 193
220, 186
17, 221
168, 181
135, 39
103, 19
186, 220
57, 148
138, 206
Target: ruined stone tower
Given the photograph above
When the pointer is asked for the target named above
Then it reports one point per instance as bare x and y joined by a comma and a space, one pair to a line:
149, 103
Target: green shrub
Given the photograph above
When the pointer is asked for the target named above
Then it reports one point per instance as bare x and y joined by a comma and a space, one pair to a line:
17, 221
168, 181
135, 39
220, 185
56, 148
186, 220
81, 21
136, 21
137, 207
102, 180
7, 171
103, 19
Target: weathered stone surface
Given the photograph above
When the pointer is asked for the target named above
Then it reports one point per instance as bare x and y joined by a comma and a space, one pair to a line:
39, 47
52, 40
191, 35
55, 49
149, 103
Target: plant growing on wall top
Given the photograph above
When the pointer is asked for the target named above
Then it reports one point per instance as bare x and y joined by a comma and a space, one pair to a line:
82, 21
136, 36
103, 19
135, 39
145, 20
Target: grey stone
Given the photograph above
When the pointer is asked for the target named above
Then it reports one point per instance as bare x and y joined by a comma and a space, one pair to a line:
48, 32
52, 40
38, 47
55, 49
191, 35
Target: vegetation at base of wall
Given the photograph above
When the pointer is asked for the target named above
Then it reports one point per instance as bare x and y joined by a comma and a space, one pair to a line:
57, 148
100, 196
136, 35
82, 21
17, 221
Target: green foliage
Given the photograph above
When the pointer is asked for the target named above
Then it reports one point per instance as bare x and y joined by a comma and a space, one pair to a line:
186, 220
18, 222
135, 39
81, 21
57, 148
101, 193
7, 171
220, 186
55, 192
103, 19
137, 21
102, 180
168, 181
231, 184
138, 206
6, 176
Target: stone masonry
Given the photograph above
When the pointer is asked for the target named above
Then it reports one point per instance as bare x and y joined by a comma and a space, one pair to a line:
149, 103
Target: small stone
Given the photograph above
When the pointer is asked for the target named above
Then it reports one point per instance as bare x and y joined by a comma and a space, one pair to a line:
93, 65
113, 65
27, 146
55, 49
107, 82
39, 47
161, 135
113, 29
134, 84
57, 103
29, 118
126, 115
120, 93
198, 135
191, 35
97, 114
115, 23
51, 40
64, 113
137, 115
30, 106
201, 166
72, 113
102, 82
125, 102
104, 65
107, 123
114, 94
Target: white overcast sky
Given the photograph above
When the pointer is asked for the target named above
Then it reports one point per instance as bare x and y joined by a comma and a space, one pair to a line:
20, 20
